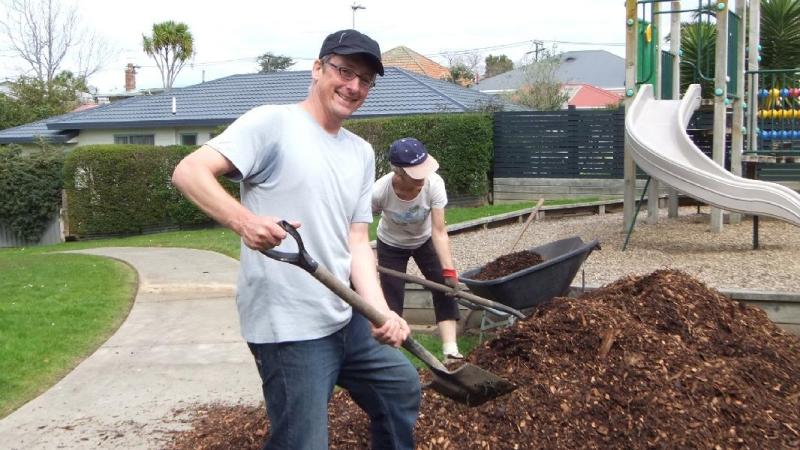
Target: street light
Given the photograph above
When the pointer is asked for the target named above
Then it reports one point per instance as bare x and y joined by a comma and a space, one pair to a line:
355, 7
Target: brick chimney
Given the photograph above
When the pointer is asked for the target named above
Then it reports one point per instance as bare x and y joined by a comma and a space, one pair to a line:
130, 78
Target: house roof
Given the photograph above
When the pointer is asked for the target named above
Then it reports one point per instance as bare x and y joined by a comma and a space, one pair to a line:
588, 96
595, 67
31, 132
221, 101
405, 58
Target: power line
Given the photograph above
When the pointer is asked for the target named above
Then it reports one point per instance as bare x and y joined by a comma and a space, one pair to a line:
526, 42
531, 42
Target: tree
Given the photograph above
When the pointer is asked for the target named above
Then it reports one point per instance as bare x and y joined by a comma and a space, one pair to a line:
541, 90
47, 37
495, 65
11, 114
463, 67
780, 34
32, 99
698, 44
170, 46
269, 62
461, 74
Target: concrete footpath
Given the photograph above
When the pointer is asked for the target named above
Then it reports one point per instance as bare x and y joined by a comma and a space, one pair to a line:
179, 346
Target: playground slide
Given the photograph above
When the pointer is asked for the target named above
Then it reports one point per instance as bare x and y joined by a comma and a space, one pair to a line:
656, 130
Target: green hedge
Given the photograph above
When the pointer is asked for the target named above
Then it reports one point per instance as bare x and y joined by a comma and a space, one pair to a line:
462, 143
125, 189
30, 190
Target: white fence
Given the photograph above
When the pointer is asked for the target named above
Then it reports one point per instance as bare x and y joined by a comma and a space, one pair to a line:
52, 235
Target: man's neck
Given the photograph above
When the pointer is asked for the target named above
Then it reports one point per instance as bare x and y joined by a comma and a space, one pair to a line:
329, 124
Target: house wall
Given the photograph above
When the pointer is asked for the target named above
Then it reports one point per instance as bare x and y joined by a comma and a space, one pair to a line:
163, 136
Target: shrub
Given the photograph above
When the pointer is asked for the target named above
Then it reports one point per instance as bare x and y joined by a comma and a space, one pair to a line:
124, 189
462, 143
30, 190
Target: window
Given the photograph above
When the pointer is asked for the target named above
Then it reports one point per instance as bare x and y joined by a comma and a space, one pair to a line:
189, 139
142, 139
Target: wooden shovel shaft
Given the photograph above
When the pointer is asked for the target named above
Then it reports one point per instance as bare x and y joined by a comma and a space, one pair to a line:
448, 290
372, 314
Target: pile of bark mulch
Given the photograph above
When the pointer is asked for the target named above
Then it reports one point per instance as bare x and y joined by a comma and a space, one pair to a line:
657, 361
508, 264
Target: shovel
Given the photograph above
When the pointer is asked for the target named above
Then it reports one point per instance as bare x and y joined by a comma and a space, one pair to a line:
470, 297
527, 223
468, 384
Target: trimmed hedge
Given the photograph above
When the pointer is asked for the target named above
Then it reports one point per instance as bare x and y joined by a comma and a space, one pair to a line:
30, 190
462, 143
126, 189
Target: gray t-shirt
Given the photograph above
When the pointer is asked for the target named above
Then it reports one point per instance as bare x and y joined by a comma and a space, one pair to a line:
406, 223
289, 167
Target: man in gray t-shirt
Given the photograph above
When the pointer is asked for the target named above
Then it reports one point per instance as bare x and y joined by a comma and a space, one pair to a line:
296, 162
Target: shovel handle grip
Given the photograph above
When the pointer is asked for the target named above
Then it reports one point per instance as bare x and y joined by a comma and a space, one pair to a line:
301, 259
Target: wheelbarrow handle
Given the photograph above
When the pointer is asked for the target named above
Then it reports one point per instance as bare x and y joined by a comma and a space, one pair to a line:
470, 297
303, 260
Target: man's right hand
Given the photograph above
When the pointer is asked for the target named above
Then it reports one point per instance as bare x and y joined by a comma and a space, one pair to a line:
263, 233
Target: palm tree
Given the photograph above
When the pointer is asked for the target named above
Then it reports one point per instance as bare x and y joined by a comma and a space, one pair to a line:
698, 40
780, 41
170, 45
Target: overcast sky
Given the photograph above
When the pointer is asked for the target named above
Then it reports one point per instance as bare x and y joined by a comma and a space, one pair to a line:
230, 34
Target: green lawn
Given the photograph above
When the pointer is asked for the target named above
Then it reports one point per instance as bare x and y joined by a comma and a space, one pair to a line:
56, 309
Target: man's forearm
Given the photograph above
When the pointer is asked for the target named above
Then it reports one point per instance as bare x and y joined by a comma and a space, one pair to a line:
200, 186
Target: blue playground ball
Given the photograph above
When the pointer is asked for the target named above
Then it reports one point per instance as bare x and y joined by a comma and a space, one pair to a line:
765, 134
784, 92
795, 134
774, 134
762, 93
785, 134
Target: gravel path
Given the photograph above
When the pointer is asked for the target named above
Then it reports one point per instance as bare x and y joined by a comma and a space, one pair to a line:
724, 260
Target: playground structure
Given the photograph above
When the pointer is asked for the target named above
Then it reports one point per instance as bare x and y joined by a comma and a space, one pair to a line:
656, 138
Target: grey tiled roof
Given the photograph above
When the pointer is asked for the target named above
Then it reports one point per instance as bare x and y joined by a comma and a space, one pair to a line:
30, 132
223, 100
595, 67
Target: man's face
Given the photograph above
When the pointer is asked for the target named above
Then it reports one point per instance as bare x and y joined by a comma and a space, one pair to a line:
337, 95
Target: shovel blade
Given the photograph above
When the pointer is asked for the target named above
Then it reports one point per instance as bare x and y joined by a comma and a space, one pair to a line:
469, 384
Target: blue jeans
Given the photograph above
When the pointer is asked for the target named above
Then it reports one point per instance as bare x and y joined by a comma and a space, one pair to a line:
298, 379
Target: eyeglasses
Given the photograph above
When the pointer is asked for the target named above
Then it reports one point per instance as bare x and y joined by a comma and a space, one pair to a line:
348, 74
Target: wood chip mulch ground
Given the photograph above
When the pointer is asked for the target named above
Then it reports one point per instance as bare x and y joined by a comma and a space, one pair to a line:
654, 361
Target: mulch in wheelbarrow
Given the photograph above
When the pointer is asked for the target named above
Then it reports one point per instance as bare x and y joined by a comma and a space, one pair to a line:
508, 264
655, 361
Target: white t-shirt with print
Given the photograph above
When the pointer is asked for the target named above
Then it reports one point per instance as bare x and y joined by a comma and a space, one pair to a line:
406, 223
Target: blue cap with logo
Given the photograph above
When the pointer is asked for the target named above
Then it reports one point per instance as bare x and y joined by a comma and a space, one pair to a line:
412, 156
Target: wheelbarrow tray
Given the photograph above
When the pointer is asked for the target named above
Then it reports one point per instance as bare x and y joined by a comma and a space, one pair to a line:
536, 284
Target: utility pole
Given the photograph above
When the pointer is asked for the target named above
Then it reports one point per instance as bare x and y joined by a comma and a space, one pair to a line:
538, 47
355, 8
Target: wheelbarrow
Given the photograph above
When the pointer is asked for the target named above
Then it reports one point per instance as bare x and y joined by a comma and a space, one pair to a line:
468, 384
536, 284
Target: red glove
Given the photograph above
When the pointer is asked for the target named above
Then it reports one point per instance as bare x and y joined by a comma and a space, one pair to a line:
450, 278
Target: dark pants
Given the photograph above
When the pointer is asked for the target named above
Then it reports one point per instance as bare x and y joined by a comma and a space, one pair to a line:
298, 379
427, 260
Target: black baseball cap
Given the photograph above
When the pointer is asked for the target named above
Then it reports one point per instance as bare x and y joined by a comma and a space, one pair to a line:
350, 42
